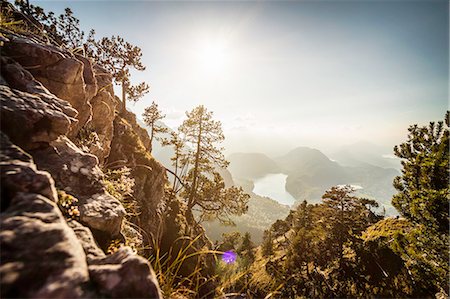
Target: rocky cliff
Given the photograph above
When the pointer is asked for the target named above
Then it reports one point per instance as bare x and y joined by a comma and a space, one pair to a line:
60, 135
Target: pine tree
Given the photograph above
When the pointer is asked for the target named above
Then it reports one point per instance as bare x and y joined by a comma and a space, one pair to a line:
204, 187
152, 117
63, 30
118, 57
423, 187
267, 244
347, 215
178, 161
280, 228
230, 241
245, 250
68, 29
423, 199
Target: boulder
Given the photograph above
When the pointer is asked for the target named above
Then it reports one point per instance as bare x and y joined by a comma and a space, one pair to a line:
41, 256
19, 174
16, 77
104, 106
39, 251
59, 71
33, 120
73, 170
103, 114
89, 78
102, 212
104, 79
125, 275
87, 240
78, 174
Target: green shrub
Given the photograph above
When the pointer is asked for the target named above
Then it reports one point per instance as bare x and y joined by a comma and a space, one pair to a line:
68, 205
120, 184
8, 22
87, 138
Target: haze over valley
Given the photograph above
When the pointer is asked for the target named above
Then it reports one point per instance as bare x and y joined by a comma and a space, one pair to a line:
277, 184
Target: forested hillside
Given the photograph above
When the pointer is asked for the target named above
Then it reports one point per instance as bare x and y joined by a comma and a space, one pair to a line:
344, 248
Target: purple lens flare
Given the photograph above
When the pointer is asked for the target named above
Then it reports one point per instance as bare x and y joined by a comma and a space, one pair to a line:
229, 257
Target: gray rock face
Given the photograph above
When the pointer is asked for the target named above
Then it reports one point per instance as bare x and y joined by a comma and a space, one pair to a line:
104, 79
41, 256
33, 120
102, 212
39, 251
44, 120
149, 175
103, 113
90, 246
78, 174
73, 170
44, 257
125, 275
19, 174
47, 96
16, 77
88, 77
62, 74
102, 102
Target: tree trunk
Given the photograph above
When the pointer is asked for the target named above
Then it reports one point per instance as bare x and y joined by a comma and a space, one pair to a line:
174, 186
191, 200
124, 96
151, 135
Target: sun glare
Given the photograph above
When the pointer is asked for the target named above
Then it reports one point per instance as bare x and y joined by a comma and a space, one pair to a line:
213, 56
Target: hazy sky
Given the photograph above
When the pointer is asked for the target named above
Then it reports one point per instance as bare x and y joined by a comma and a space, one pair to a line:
283, 74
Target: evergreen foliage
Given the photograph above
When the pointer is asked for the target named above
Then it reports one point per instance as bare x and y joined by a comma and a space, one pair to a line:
267, 245
204, 188
63, 30
342, 248
230, 241
118, 57
423, 195
152, 117
423, 199
245, 250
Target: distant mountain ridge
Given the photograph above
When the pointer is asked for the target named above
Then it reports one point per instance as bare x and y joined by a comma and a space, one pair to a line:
260, 165
310, 173
365, 153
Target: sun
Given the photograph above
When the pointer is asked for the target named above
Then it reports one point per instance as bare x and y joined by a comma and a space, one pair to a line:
213, 55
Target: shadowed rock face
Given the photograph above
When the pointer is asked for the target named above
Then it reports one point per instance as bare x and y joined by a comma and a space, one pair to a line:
103, 113
39, 250
32, 120
42, 257
124, 275
78, 174
150, 178
46, 95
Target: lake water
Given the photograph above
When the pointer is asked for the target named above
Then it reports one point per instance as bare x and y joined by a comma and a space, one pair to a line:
272, 185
